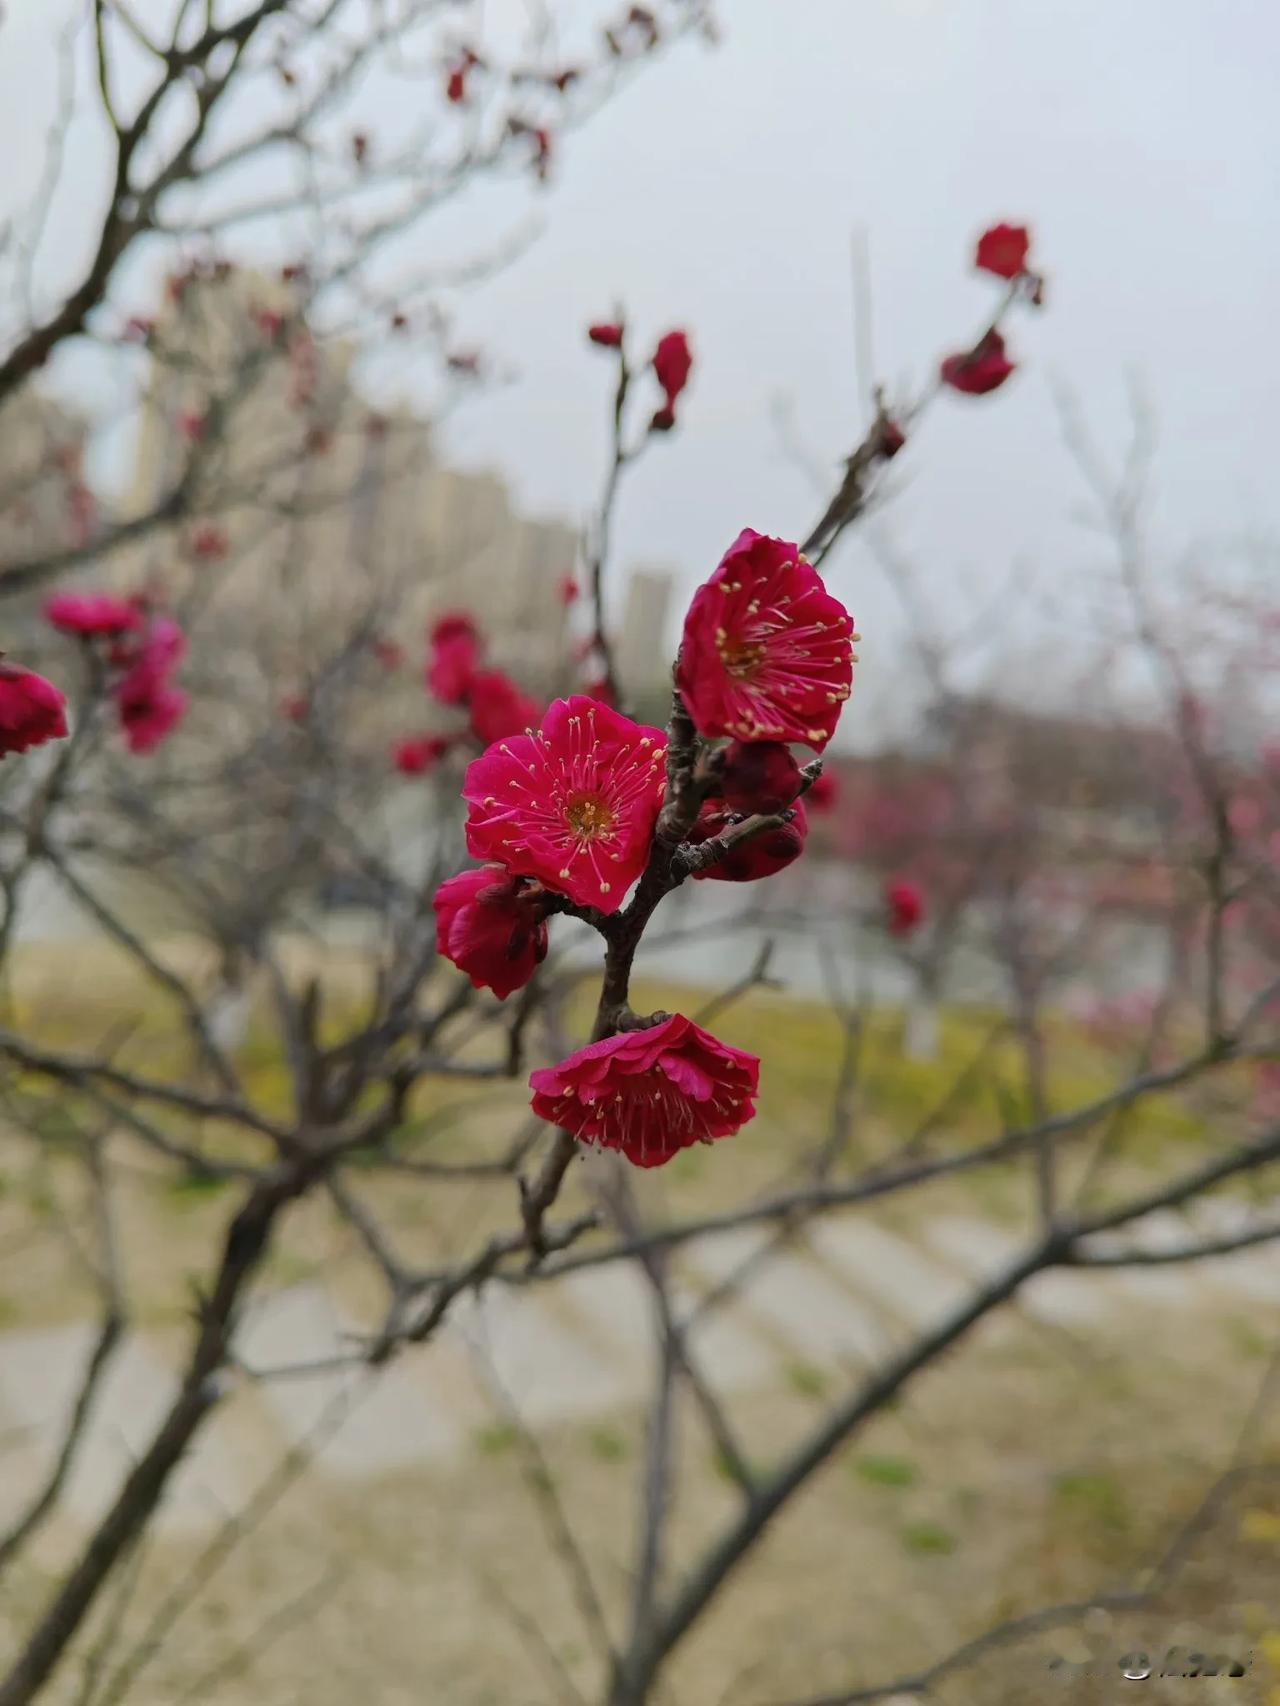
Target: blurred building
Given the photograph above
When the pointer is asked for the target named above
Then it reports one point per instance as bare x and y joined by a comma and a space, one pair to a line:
313, 515
46, 504
642, 639
984, 778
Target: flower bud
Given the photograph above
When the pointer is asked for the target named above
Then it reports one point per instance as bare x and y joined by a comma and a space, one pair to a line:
892, 438
904, 906
758, 776
760, 856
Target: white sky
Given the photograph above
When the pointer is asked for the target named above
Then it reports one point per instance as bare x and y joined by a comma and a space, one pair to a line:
719, 192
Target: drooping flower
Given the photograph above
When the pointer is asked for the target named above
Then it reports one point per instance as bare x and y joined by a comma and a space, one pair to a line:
767, 652
983, 368
388, 653
673, 362
32, 710
418, 754
91, 614
162, 647
761, 855
296, 707
758, 776
650, 1093
148, 703
904, 906
568, 590
1003, 250
453, 659
497, 707
491, 927
150, 708
573, 804
606, 333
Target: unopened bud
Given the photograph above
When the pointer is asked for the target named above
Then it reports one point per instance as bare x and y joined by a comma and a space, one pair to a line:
758, 776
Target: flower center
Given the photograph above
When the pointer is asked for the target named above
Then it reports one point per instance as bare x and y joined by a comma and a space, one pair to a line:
588, 815
740, 656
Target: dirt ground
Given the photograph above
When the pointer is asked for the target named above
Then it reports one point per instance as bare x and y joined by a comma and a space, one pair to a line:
1029, 1469
1033, 1466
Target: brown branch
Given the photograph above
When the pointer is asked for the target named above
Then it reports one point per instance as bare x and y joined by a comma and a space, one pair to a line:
129, 212
639, 1666
246, 1243
104, 1347
83, 1070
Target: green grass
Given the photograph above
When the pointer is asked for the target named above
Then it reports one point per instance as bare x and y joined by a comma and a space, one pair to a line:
496, 1439
607, 1444
189, 1188
884, 1471
1247, 1340
808, 1381
799, 1041
928, 1538
1095, 1496
722, 1467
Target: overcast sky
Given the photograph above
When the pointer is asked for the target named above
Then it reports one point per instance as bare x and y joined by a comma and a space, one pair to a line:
1138, 138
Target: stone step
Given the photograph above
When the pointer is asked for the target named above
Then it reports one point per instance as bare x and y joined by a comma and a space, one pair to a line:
1253, 1272
539, 1364
1068, 1299
358, 1422
814, 1317
914, 1289
617, 1301
40, 1376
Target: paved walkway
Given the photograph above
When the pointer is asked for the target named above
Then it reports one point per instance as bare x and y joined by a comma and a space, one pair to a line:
572, 1349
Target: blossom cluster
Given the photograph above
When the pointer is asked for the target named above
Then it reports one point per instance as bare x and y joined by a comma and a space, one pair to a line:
565, 817
569, 809
139, 648
457, 676
136, 648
